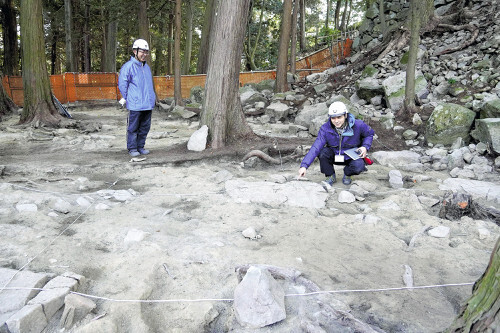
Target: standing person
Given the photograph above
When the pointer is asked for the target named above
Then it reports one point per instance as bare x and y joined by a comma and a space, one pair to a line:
339, 134
136, 86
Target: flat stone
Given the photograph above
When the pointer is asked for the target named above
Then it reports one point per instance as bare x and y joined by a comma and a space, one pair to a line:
27, 207
51, 300
294, 193
29, 319
439, 232
14, 300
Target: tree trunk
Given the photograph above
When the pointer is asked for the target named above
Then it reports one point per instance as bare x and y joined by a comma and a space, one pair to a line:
222, 111
9, 33
293, 47
160, 61
383, 23
177, 54
53, 47
86, 39
6, 104
343, 24
170, 49
110, 54
201, 67
68, 24
38, 105
281, 68
337, 14
251, 49
189, 38
327, 15
481, 313
302, 26
415, 12
144, 25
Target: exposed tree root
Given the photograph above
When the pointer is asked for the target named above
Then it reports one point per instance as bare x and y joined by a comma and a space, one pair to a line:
473, 29
263, 156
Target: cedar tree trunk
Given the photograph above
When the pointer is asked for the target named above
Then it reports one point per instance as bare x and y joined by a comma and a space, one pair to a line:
38, 105
222, 111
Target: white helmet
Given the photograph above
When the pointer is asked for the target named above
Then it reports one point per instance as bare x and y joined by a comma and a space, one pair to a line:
337, 109
140, 44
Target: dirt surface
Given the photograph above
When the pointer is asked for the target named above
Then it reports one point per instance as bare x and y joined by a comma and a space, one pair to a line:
191, 230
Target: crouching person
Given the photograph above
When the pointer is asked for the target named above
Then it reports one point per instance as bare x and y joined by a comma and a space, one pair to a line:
341, 133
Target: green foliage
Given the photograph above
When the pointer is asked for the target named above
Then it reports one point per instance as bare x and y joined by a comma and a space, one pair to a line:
452, 81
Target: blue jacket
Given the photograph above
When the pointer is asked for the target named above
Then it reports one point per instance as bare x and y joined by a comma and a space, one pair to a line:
356, 134
136, 85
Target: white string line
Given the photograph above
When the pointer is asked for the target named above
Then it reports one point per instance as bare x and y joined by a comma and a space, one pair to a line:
52, 241
345, 291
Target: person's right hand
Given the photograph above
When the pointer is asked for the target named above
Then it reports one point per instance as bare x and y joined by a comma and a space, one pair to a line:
122, 101
302, 172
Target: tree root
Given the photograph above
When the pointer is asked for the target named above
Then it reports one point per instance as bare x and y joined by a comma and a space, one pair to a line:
263, 156
473, 29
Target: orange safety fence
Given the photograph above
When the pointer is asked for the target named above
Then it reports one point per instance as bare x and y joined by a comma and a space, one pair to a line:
72, 87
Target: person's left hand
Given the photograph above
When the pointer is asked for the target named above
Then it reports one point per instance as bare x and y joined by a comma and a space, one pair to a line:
362, 152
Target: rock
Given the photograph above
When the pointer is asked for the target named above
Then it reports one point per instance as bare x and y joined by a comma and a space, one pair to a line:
395, 158
259, 300
51, 300
477, 189
249, 233
135, 236
428, 201
198, 140
439, 232
369, 88
294, 193
12, 301
488, 132
102, 206
222, 176
62, 206
278, 110
346, 197
30, 318
395, 179
26, 207
410, 134
76, 308
491, 108
197, 94
394, 87
448, 122
309, 112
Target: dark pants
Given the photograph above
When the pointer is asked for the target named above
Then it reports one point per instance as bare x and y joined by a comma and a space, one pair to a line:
326, 162
138, 125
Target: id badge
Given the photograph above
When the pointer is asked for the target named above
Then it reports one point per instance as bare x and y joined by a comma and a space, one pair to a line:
339, 158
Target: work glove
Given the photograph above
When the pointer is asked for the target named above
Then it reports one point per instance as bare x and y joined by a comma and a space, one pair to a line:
122, 102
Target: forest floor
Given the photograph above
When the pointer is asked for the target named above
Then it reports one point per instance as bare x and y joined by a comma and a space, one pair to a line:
190, 229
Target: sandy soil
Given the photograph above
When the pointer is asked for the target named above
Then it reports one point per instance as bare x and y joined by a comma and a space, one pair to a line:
193, 240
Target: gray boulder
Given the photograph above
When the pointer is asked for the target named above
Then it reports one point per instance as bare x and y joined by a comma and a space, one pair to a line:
488, 131
394, 88
251, 96
491, 109
309, 112
448, 122
259, 300
395, 158
278, 110
368, 88
197, 94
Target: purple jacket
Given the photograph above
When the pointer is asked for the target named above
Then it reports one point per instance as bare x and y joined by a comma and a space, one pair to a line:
356, 134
